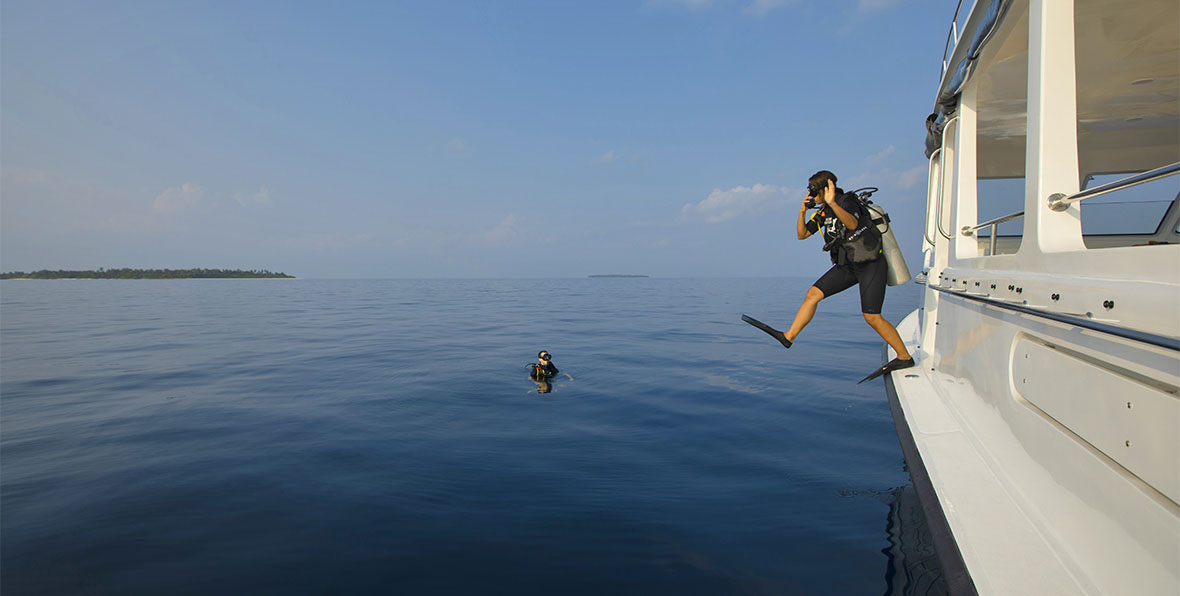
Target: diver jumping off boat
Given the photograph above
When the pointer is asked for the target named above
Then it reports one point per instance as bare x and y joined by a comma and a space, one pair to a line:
855, 244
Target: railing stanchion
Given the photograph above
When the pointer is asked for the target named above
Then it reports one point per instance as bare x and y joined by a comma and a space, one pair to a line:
1060, 202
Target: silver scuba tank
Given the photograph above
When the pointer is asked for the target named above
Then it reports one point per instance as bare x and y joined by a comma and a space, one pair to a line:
899, 272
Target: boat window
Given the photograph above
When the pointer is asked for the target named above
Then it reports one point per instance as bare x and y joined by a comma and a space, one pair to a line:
1135, 210
1001, 114
1126, 120
998, 197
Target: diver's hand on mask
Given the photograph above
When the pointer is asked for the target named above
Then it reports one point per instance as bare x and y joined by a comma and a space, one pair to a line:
830, 193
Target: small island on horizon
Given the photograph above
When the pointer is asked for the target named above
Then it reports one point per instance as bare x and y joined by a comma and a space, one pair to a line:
619, 275
128, 273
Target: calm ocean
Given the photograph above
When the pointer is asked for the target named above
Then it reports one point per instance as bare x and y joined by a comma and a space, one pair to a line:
329, 436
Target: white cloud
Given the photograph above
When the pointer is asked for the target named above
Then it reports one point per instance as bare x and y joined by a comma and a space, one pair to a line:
881, 170
176, 199
869, 6
751, 7
693, 4
897, 185
608, 157
762, 7
738, 202
911, 178
881, 156
506, 232
459, 146
258, 199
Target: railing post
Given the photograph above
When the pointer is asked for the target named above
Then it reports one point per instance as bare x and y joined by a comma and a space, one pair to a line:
1051, 160
963, 208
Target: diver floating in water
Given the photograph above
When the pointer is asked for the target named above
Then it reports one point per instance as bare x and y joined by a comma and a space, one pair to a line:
853, 240
543, 370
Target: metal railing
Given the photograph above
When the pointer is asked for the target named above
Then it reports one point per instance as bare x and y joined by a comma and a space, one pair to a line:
952, 40
977, 32
1061, 202
992, 223
935, 158
1154, 339
938, 206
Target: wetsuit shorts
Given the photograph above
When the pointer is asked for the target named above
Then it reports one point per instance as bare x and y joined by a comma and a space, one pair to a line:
871, 276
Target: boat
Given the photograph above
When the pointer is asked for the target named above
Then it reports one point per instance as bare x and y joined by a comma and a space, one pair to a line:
1041, 423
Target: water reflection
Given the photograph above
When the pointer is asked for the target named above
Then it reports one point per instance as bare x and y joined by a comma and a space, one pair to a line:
913, 567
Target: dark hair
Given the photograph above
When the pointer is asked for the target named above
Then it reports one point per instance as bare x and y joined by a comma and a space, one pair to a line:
543, 352
821, 178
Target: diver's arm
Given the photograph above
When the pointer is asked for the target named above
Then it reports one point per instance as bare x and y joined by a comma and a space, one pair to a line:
801, 225
846, 218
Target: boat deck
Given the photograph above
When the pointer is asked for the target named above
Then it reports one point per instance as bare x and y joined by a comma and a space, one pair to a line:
1005, 510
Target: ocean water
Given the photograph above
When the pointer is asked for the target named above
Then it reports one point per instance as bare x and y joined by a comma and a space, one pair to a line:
330, 436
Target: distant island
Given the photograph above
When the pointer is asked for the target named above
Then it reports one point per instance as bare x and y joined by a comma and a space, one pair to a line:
618, 275
148, 274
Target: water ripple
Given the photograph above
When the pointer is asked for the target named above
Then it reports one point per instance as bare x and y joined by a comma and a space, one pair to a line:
353, 436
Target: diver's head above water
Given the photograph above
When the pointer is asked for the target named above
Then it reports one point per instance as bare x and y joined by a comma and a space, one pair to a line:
544, 368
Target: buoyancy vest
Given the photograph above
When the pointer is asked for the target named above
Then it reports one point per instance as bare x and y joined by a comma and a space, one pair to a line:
850, 246
540, 373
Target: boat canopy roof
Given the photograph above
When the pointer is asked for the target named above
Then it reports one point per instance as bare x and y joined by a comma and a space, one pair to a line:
1128, 85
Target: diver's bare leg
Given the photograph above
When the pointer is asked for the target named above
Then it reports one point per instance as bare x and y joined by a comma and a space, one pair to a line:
806, 312
888, 333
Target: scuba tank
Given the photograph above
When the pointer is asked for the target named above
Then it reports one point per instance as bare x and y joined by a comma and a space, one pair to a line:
899, 273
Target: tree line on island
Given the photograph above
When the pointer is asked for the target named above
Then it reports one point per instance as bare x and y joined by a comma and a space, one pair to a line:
128, 273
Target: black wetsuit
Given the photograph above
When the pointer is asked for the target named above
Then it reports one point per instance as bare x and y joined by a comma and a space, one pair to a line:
541, 372
856, 254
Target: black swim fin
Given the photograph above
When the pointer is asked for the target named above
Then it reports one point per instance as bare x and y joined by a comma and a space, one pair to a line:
771, 331
895, 364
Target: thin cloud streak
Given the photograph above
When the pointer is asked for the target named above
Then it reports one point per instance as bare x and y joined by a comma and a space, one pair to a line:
607, 158
736, 203
865, 7
764, 7
177, 199
506, 232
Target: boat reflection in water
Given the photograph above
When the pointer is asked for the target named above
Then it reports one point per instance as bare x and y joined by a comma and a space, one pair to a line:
912, 567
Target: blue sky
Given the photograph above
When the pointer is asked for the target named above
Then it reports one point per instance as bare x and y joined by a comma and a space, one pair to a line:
455, 139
